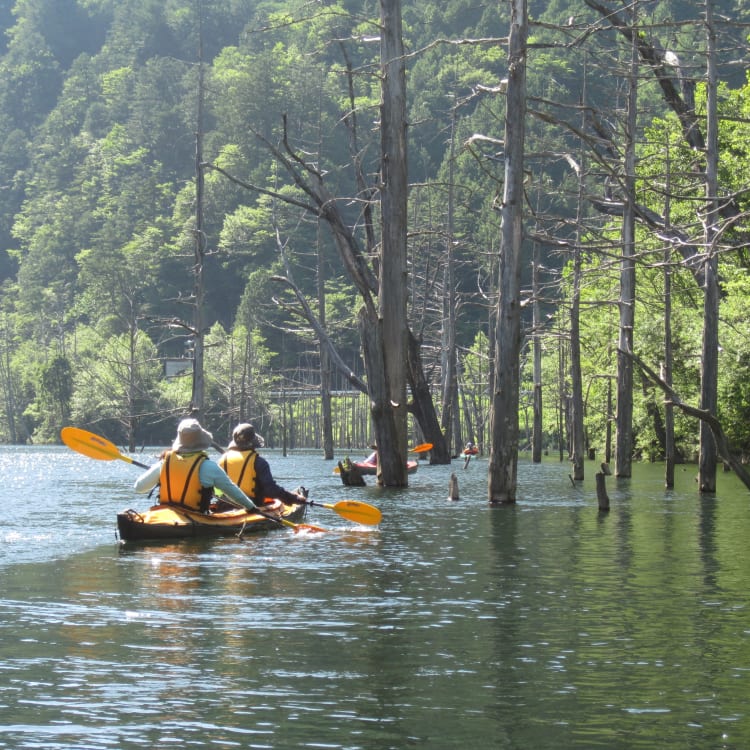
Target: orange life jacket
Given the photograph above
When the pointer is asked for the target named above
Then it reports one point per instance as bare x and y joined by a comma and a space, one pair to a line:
179, 481
240, 466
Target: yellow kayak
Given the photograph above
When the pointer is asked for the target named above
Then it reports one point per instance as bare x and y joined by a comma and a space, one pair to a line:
173, 522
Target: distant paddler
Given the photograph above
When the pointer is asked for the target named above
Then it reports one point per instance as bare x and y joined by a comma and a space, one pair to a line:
469, 451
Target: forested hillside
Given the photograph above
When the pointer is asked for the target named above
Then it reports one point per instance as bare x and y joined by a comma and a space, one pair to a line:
135, 131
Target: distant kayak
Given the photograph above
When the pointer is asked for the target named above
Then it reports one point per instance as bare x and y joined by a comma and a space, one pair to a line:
369, 468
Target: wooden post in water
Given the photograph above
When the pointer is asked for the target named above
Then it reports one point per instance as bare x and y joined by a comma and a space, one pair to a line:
453, 487
601, 491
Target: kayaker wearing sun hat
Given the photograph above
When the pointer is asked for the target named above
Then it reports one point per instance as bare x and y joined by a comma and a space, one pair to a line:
187, 476
251, 471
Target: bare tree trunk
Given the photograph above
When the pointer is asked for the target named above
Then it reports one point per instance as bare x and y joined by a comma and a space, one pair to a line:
199, 385
326, 405
624, 416
577, 417
391, 428
537, 431
450, 418
325, 364
390, 306
503, 464
561, 421
710, 349
131, 418
577, 441
7, 384
669, 448
608, 431
576, 378
421, 406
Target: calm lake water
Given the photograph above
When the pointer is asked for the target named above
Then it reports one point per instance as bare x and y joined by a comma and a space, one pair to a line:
452, 624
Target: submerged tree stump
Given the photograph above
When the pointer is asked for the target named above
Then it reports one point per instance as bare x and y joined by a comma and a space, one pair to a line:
350, 474
601, 491
453, 487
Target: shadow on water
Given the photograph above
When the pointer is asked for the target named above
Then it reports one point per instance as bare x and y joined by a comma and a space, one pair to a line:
541, 625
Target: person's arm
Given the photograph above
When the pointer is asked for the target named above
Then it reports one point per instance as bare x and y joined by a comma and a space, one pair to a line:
212, 475
149, 479
265, 485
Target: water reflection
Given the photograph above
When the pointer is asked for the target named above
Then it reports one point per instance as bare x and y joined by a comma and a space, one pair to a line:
545, 625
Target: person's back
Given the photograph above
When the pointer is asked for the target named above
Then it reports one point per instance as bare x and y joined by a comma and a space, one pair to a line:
240, 466
179, 480
186, 475
250, 470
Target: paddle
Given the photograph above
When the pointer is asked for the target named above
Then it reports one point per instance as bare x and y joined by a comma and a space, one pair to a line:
296, 526
95, 446
353, 510
349, 509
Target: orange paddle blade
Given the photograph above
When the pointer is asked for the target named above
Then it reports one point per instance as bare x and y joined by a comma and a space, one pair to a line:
422, 448
301, 526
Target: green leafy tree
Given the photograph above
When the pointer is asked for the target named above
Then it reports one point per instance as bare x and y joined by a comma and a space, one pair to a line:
116, 385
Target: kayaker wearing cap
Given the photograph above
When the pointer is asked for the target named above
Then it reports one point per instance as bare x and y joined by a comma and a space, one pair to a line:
187, 476
251, 471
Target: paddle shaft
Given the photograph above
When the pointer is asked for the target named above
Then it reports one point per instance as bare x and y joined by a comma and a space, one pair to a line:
296, 526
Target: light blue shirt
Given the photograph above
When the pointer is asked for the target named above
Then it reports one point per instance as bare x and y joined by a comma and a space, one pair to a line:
210, 475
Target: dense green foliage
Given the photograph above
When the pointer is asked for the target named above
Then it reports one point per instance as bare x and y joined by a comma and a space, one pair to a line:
99, 112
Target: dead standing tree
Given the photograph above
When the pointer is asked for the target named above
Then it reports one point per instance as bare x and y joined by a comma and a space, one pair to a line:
383, 323
704, 264
503, 468
387, 341
706, 418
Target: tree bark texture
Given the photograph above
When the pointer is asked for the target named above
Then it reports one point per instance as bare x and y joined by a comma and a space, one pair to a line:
710, 347
624, 414
503, 463
199, 384
537, 431
577, 441
392, 296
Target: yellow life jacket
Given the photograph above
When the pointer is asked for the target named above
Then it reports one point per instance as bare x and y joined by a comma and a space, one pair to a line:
179, 481
240, 466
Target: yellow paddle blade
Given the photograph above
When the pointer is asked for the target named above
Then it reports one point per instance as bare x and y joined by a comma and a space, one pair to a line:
421, 448
356, 511
94, 446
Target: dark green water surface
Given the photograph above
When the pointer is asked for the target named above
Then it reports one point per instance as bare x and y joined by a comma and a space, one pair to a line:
451, 625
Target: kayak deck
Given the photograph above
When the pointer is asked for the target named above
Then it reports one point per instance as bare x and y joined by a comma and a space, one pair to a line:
171, 522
